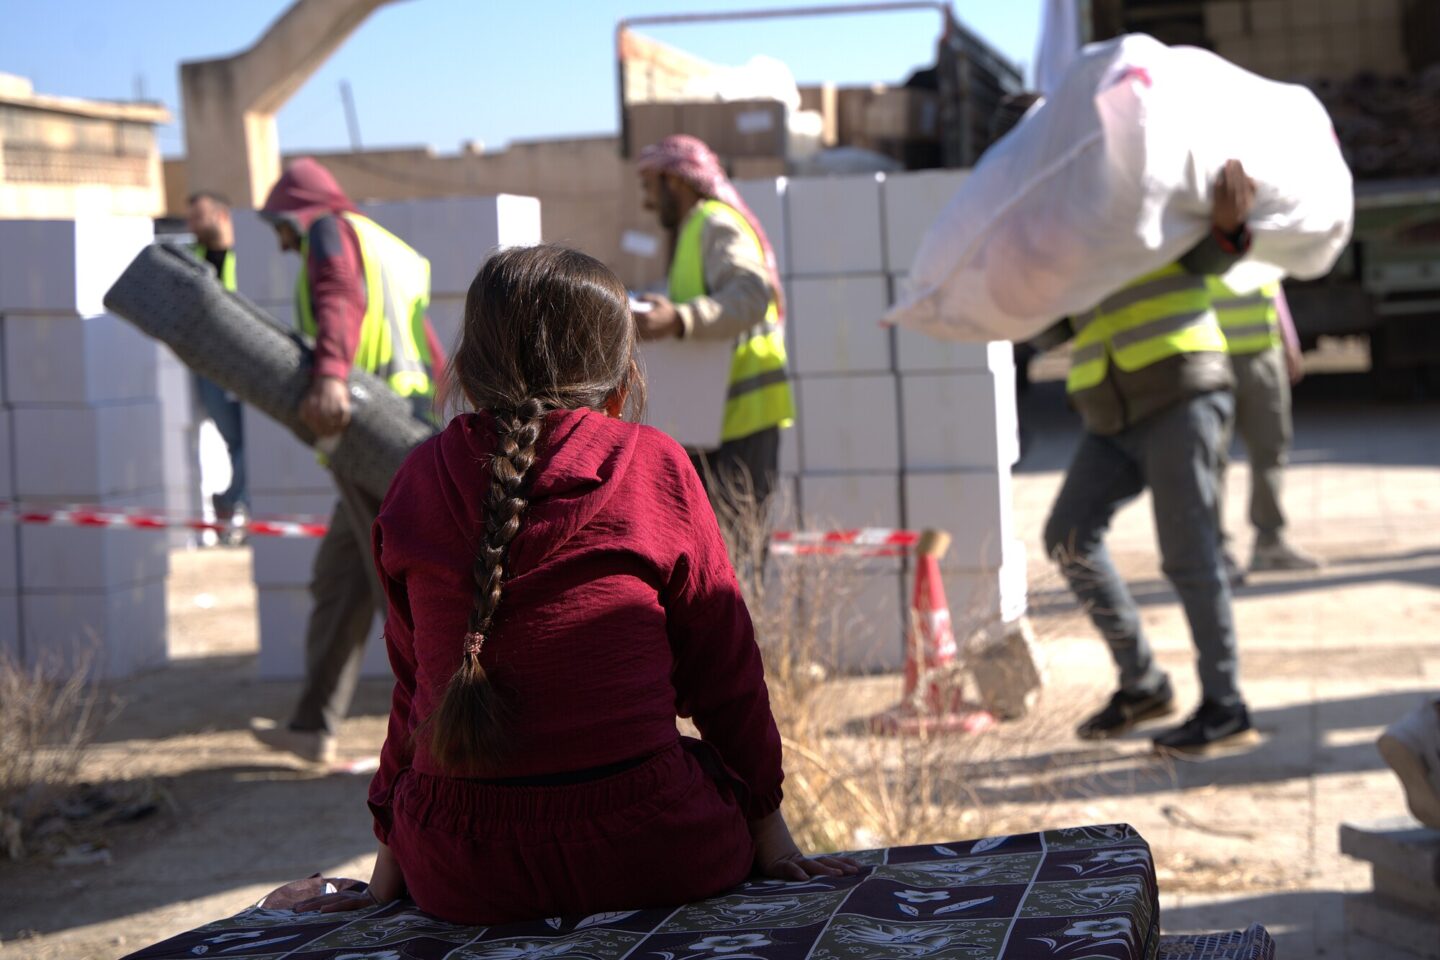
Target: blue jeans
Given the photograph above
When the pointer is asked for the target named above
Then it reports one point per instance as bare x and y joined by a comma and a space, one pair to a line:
1175, 453
224, 410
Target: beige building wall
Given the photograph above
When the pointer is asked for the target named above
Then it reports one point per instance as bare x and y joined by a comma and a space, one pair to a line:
63, 156
589, 197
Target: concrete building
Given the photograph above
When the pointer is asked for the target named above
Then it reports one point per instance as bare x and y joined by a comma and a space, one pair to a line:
63, 156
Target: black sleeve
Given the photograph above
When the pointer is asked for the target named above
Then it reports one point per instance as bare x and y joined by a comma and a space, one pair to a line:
1052, 336
1216, 252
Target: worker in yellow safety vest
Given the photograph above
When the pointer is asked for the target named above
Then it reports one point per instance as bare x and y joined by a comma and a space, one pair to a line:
1151, 380
362, 295
1265, 357
209, 220
724, 285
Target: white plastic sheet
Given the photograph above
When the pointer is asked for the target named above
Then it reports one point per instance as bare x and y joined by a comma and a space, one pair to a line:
1112, 178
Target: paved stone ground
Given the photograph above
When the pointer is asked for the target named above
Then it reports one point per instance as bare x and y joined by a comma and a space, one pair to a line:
1328, 660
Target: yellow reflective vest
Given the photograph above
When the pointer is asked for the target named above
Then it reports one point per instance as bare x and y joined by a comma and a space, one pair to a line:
1250, 321
759, 394
227, 272
397, 295
1161, 315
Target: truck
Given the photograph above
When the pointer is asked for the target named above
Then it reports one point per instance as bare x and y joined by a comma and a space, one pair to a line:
1375, 64
938, 117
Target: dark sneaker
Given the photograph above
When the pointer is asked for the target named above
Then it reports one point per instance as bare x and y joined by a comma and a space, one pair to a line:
1280, 555
1125, 710
1211, 730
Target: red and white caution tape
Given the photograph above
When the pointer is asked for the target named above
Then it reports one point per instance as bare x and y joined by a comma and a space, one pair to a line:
864, 542
132, 518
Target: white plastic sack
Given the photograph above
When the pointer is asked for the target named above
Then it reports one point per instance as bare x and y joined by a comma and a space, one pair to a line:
1112, 178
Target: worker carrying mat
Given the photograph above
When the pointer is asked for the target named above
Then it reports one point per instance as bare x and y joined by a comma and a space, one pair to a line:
178, 300
1112, 178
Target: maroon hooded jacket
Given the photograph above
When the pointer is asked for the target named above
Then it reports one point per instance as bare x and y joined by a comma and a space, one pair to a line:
620, 609
308, 196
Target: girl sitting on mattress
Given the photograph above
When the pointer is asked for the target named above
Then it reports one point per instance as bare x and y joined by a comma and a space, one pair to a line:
558, 591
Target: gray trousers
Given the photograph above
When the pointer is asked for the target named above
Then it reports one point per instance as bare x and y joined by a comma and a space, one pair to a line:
346, 593
740, 478
1174, 453
1262, 418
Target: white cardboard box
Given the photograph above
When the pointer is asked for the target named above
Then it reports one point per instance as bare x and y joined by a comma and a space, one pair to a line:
766, 199
283, 613
836, 324
7, 467
89, 559
686, 382
790, 442
85, 453
850, 424
846, 501
66, 359
458, 234
920, 353
175, 386
263, 272
283, 561
66, 266
9, 558
10, 627
912, 202
983, 598
122, 631
862, 617
276, 461
447, 316
959, 421
975, 508
834, 225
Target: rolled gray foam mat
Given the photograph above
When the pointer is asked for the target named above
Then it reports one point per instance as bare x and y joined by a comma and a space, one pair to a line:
176, 299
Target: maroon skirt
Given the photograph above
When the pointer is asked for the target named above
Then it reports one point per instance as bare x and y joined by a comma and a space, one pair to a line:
668, 831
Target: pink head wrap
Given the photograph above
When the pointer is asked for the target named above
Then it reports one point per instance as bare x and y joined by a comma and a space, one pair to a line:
689, 159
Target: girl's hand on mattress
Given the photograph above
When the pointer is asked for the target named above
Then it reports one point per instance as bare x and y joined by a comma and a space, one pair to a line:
386, 884
797, 866
338, 902
777, 856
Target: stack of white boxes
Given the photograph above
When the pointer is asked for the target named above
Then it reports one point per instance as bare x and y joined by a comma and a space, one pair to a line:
895, 429
82, 424
456, 235
180, 415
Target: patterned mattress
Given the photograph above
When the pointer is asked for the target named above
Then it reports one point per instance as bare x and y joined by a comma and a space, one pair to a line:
1084, 893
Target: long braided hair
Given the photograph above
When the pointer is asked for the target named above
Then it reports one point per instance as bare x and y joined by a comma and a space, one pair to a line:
546, 328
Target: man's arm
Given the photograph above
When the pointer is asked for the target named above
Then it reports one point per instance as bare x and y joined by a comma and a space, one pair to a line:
337, 295
738, 280
1229, 238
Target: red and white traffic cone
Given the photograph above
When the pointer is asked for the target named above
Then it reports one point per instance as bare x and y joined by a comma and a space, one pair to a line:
933, 701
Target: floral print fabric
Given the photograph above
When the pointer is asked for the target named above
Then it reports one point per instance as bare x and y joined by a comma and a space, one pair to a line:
1083, 892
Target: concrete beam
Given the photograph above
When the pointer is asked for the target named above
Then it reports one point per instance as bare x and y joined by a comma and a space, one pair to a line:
230, 103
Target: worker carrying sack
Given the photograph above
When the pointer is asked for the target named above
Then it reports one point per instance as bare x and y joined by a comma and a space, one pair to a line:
1112, 178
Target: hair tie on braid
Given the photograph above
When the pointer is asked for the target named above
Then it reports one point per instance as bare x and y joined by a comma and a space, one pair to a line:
474, 641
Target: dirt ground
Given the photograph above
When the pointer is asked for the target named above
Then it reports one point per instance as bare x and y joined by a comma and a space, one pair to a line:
1328, 660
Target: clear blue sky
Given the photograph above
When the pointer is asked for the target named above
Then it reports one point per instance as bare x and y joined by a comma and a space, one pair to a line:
442, 71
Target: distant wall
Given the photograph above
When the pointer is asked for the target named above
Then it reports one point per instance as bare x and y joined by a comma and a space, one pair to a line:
589, 196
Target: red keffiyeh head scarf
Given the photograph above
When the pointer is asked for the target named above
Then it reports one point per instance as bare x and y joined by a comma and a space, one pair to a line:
692, 161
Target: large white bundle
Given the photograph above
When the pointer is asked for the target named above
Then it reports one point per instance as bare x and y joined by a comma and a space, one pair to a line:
1112, 178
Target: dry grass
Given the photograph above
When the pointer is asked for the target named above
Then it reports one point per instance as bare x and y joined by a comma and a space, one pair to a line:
45, 728
846, 787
